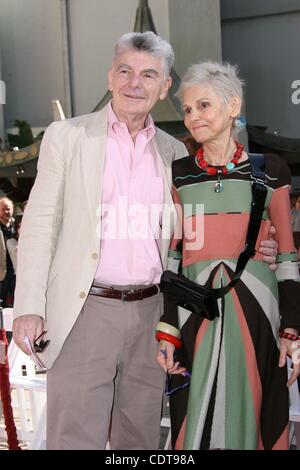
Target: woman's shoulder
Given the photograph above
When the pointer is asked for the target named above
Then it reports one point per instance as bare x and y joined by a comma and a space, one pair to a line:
184, 163
277, 171
184, 171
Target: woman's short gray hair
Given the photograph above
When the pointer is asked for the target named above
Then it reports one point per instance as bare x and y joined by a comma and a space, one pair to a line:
147, 42
222, 77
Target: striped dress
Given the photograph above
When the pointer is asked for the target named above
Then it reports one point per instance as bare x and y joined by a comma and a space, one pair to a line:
238, 397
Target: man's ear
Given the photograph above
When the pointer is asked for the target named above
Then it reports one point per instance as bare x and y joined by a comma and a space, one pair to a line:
165, 88
110, 78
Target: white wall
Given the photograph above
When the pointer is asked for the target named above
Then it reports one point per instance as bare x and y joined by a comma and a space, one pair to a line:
266, 48
32, 49
195, 31
95, 25
2, 100
32, 63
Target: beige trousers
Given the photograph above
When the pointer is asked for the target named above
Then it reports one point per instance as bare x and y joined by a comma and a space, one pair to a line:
105, 384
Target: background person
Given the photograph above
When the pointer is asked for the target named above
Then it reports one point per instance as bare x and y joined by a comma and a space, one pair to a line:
7, 231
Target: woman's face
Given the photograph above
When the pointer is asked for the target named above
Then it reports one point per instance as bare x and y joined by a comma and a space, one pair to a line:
206, 116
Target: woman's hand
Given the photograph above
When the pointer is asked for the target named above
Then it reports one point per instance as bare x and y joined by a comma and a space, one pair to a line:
287, 348
165, 358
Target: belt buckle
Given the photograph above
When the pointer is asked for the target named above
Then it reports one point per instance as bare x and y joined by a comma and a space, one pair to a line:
126, 292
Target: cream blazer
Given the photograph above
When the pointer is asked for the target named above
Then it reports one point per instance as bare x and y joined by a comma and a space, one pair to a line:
59, 246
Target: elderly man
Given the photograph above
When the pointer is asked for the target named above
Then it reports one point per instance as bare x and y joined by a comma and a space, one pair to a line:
99, 300
7, 274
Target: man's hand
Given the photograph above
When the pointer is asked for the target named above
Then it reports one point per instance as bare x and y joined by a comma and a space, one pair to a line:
269, 249
287, 349
27, 325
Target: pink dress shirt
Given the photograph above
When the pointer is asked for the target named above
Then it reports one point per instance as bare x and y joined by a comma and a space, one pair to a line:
132, 200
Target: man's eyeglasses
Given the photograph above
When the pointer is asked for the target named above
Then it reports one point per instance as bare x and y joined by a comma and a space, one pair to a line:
39, 344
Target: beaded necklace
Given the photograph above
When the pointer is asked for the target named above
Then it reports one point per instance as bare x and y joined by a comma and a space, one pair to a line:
212, 170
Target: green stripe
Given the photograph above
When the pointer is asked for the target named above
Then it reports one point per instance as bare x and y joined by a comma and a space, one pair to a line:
201, 367
287, 257
240, 422
262, 272
258, 269
174, 254
234, 195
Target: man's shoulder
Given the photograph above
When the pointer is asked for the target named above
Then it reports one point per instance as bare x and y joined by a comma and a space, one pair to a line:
168, 137
87, 122
169, 140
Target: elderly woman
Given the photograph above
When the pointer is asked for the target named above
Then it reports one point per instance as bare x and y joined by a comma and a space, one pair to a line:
238, 394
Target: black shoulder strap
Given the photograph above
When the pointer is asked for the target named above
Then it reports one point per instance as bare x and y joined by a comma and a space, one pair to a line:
259, 194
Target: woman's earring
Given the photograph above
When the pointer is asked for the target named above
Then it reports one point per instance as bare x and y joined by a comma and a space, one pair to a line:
239, 122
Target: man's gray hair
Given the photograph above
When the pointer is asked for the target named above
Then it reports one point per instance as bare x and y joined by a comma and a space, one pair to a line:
147, 42
222, 77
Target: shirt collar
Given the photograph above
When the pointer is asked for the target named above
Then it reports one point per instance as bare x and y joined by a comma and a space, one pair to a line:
115, 124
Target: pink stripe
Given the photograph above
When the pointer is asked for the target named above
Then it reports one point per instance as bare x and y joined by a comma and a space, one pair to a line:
280, 213
252, 370
216, 246
283, 441
200, 335
180, 438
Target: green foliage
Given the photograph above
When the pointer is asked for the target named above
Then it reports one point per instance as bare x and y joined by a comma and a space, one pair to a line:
25, 136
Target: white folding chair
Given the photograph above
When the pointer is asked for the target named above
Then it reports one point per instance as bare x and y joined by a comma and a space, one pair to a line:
28, 394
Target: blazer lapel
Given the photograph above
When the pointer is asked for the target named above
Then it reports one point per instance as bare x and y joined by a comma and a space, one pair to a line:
92, 158
166, 155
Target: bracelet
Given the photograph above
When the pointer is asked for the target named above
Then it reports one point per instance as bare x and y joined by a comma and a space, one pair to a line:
160, 335
284, 334
166, 328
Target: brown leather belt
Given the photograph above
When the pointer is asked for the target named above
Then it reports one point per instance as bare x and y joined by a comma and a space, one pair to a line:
127, 295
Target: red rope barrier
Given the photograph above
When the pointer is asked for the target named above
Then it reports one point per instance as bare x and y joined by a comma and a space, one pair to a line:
10, 427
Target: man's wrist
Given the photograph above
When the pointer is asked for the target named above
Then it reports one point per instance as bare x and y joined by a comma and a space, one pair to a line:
292, 331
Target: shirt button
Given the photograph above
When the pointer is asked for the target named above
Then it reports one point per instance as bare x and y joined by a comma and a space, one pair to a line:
95, 255
82, 295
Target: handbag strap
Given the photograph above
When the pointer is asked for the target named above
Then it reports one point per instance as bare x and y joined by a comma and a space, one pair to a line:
259, 194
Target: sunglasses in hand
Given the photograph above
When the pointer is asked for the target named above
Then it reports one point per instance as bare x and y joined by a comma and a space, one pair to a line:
39, 345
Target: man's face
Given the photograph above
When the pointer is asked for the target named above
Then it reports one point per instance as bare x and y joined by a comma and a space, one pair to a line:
6, 211
137, 81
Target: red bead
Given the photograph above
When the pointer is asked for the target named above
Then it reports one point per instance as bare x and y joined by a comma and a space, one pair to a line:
212, 170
